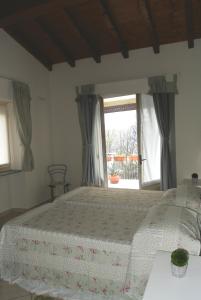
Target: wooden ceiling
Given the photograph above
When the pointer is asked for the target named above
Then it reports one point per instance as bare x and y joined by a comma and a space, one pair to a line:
57, 31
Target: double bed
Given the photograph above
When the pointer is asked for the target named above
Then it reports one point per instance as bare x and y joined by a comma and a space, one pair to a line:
95, 243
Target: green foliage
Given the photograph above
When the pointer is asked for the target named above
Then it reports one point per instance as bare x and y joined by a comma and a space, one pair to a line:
180, 257
113, 171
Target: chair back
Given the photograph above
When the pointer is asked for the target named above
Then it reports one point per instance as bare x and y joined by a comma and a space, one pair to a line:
57, 173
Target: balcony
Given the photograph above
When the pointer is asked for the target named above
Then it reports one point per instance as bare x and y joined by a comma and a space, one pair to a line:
122, 171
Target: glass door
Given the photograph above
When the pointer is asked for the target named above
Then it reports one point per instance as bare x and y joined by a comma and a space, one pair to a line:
149, 143
121, 141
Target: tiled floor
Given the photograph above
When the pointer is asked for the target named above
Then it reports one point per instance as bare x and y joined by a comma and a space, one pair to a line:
12, 292
125, 184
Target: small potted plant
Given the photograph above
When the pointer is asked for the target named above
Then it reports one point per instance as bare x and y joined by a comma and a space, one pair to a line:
119, 157
114, 175
179, 262
133, 157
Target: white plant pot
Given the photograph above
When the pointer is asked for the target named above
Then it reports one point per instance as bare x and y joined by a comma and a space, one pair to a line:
178, 271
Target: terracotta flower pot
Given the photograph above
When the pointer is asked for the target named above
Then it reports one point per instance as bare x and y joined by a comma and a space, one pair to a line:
133, 157
119, 158
114, 179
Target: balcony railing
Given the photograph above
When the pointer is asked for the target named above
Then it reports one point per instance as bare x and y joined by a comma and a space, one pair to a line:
126, 166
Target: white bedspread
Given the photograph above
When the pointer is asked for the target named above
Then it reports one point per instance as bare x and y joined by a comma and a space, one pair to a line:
166, 227
91, 242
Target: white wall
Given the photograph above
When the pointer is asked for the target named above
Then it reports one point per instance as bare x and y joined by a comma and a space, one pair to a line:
28, 189
56, 132
175, 58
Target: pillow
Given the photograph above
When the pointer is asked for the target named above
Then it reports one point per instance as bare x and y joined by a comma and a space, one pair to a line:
169, 195
166, 227
186, 195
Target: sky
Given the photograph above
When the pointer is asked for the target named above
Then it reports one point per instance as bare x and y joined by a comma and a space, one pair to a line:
120, 120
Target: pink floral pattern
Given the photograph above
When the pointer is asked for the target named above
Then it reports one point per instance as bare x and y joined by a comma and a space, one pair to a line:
73, 252
81, 243
70, 280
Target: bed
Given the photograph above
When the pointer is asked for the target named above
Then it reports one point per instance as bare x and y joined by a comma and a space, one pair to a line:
94, 243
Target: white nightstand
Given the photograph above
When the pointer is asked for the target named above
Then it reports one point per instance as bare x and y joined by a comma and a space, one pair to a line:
163, 286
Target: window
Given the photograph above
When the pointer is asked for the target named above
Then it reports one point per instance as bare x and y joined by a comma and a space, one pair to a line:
4, 138
11, 149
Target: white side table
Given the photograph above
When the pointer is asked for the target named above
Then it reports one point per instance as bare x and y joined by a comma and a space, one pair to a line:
162, 285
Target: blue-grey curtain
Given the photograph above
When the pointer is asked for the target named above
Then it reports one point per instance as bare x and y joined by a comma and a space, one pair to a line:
164, 102
21, 100
89, 110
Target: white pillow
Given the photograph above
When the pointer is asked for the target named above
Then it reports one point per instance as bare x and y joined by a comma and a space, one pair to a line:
166, 228
186, 195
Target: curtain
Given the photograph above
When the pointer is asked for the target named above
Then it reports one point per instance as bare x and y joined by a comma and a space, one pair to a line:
21, 100
164, 102
90, 117
150, 141
16, 146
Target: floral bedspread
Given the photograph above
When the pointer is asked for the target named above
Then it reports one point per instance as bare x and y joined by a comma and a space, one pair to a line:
166, 228
94, 244
79, 246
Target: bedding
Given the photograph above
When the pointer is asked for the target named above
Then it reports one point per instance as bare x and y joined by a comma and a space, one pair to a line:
165, 227
93, 243
186, 194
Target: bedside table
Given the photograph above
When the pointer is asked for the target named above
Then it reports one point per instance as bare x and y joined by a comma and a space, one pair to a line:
162, 285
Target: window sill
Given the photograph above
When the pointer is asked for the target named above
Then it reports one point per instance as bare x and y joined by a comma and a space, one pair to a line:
9, 172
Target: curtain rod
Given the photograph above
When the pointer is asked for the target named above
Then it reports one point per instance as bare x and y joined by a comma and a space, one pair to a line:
137, 78
12, 78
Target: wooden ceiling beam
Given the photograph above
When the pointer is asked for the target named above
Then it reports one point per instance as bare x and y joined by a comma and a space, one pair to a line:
91, 45
156, 45
35, 11
189, 22
57, 42
123, 46
30, 47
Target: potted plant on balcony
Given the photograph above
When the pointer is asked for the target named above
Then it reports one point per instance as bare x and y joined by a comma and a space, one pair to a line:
119, 157
133, 157
114, 174
179, 262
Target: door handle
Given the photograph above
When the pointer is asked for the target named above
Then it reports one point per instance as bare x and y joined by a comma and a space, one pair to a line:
141, 159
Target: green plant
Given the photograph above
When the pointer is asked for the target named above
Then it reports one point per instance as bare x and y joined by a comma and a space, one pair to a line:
179, 257
113, 171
